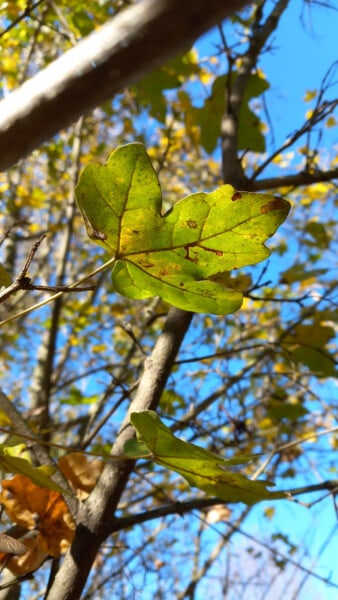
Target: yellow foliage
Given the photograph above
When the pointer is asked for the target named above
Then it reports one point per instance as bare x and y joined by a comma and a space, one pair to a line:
317, 191
246, 303
283, 160
266, 423
98, 348
280, 368
269, 512
331, 121
310, 95
205, 77
29, 198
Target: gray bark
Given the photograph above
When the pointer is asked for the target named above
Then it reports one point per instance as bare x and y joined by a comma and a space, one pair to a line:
96, 518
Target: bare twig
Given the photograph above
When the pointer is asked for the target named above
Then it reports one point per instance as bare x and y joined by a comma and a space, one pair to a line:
283, 447
58, 294
26, 13
25, 283
319, 113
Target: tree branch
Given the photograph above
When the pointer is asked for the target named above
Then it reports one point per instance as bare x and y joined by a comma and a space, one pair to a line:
97, 519
128, 46
232, 169
295, 180
182, 508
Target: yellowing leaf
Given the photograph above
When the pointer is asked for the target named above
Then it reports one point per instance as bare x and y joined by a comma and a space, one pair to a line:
174, 256
310, 95
201, 468
12, 461
331, 121
4, 419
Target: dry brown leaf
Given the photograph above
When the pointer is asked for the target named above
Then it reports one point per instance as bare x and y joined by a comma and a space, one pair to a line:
31, 560
38, 508
81, 473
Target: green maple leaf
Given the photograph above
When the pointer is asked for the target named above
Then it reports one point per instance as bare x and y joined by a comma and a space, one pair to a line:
179, 256
201, 468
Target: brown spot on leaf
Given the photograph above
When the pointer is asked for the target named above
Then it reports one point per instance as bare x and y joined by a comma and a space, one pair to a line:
236, 196
217, 252
274, 204
98, 235
192, 224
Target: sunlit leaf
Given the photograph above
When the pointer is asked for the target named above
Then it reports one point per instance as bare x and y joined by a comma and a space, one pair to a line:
150, 90
175, 256
29, 505
81, 472
201, 468
11, 461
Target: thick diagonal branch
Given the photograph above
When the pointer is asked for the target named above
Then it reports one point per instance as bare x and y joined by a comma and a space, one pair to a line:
131, 44
97, 519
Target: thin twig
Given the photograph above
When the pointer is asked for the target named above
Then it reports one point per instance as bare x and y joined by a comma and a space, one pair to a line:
25, 283
289, 445
26, 311
23, 15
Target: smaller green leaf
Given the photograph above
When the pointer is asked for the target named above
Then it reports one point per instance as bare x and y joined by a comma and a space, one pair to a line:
150, 90
318, 233
307, 344
200, 468
209, 116
171, 401
11, 461
136, 449
299, 272
278, 409
76, 397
